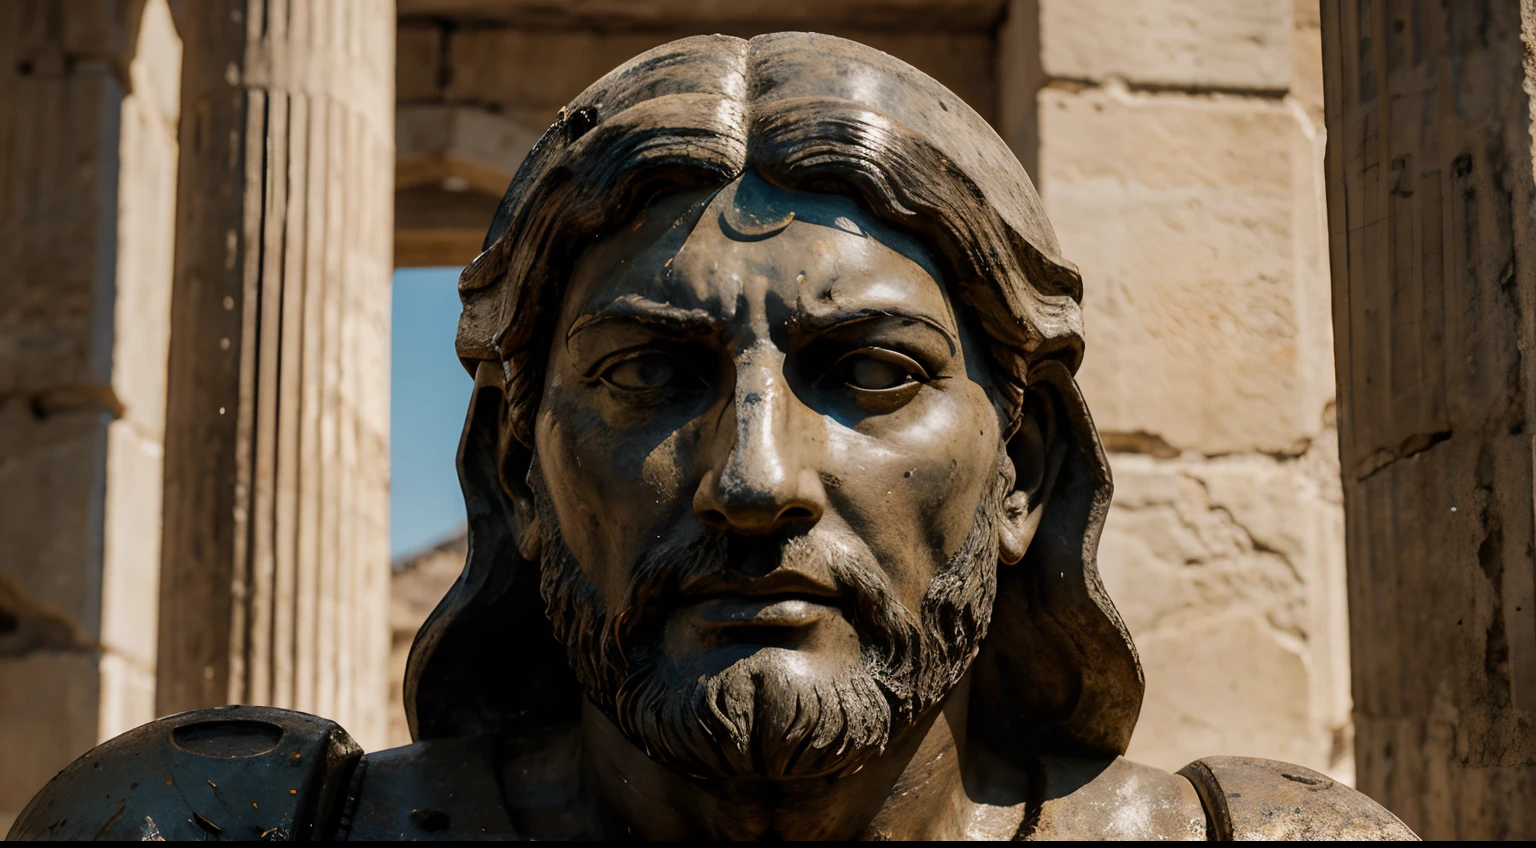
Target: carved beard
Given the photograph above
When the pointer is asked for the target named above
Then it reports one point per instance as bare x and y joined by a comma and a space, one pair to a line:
752, 719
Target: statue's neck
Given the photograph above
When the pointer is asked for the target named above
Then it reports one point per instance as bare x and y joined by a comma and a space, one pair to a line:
916, 789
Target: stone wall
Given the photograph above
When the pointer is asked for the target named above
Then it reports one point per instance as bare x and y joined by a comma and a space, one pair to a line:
89, 97
1178, 147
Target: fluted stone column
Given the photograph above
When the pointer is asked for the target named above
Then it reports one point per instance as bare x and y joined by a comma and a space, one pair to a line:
1432, 220
275, 557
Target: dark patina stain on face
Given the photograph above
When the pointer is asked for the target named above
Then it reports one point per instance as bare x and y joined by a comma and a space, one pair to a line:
765, 363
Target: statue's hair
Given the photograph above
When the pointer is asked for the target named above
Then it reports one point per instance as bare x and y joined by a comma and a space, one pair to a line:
602, 162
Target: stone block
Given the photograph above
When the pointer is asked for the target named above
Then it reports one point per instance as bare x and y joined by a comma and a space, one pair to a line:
56, 259
52, 483
141, 298
529, 68
49, 700
1175, 551
1202, 44
130, 567
418, 60
460, 147
1225, 684
1205, 300
1307, 62
782, 14
155, 72
127, 696
1194, 547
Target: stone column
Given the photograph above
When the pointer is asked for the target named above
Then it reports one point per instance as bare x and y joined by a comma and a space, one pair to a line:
1432, 216
88, 102
275, 565
1178, 148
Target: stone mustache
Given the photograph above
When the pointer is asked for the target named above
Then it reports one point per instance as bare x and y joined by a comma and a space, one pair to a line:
783, 508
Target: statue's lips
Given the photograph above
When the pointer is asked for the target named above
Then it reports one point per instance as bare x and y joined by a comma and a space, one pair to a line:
764, 610
781, 598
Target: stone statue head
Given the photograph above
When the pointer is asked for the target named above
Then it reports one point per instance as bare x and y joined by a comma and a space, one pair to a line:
775, 436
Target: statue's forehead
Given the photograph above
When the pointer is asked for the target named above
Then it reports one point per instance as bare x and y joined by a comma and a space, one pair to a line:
718, 250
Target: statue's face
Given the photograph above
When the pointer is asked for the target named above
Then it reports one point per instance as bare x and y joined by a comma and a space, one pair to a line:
767, 469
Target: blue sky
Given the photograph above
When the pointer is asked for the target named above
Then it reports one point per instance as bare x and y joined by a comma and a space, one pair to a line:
429, 393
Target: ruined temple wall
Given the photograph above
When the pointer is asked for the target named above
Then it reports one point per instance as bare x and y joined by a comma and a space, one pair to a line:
1178, 146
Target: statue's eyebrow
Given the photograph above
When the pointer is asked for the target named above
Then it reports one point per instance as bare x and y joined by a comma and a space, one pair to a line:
638, 309
815, 324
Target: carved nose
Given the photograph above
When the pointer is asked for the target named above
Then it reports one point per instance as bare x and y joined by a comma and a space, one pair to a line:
763, 483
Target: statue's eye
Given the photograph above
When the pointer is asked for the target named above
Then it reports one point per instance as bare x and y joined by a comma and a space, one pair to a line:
878, 370
649, 372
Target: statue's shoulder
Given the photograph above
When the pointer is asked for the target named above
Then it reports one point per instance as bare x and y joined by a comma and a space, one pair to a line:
1253, 799
468, 787
440, 789
224, 773
1114, 799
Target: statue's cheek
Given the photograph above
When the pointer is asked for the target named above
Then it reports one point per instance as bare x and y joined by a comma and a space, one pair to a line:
910, 484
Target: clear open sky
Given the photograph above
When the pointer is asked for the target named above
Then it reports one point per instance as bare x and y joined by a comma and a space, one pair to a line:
429, 393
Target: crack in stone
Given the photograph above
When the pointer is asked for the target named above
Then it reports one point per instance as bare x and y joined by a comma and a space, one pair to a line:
1411, 446
27, 626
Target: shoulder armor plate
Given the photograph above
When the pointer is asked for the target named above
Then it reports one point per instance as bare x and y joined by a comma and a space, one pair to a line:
225, 773
1251, 799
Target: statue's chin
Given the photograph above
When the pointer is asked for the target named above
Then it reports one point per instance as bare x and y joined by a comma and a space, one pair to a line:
764, 717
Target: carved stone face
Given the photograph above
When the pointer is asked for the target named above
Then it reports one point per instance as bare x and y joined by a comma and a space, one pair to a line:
769, 481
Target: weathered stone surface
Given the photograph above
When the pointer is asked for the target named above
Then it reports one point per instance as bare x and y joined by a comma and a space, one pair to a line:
56, 228
87, 224
530, 67
146, 226
1189, 218
1307, 62
460, 148
787, 14
1225, 571
1190, 44
130, 555
50, 702
1204, 694
53, 472
1430, 191
418, 61
127, 695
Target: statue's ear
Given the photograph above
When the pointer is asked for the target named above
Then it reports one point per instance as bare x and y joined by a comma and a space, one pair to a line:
1058, 673
514, 462
1035, 452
